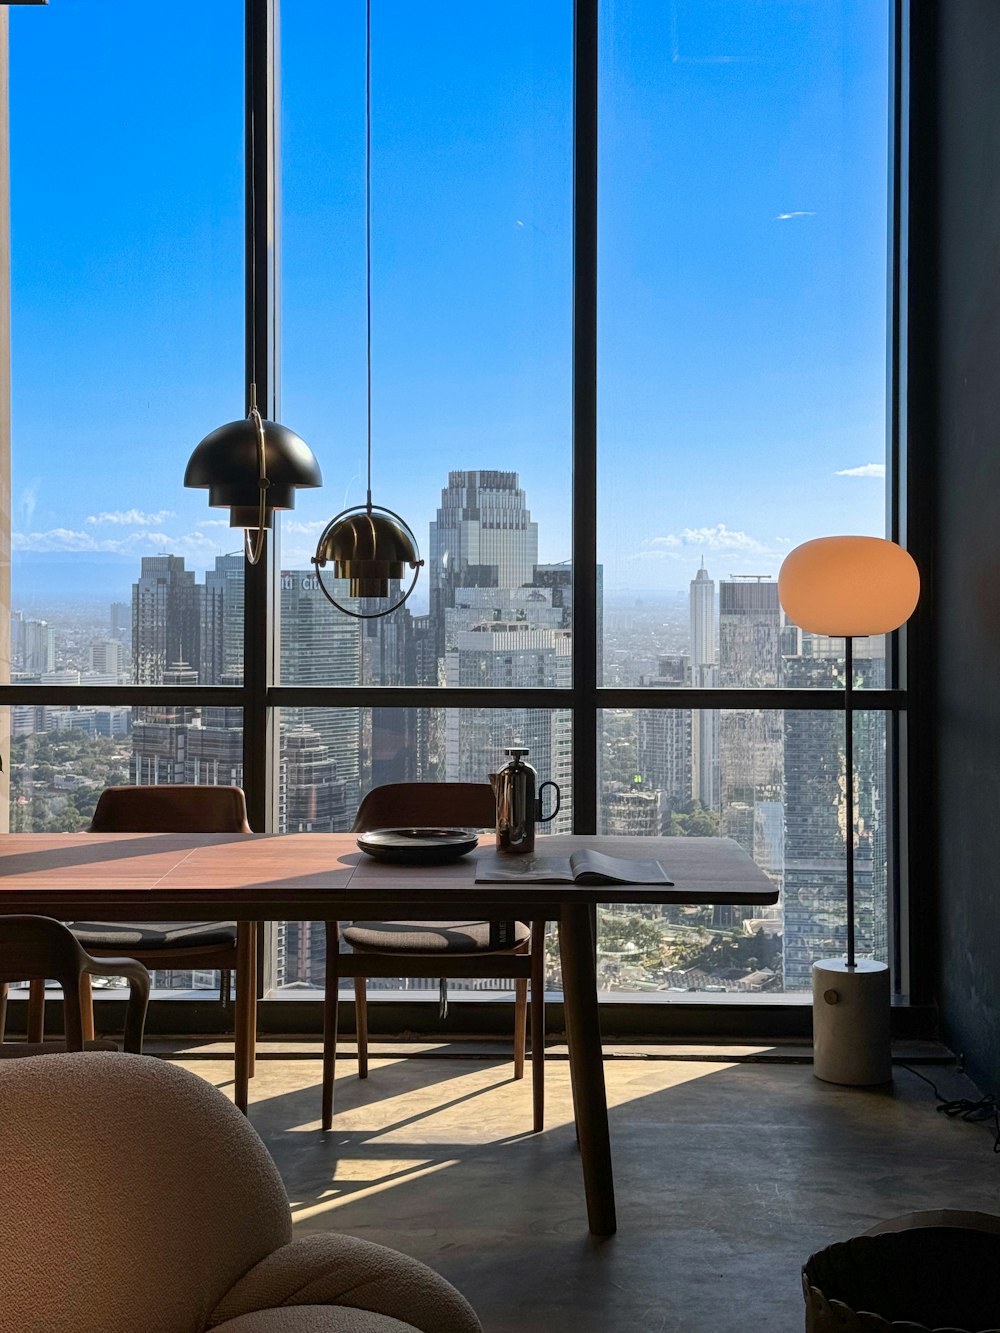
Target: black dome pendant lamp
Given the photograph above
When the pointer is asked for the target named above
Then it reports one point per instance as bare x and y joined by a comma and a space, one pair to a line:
368, 545
254, 466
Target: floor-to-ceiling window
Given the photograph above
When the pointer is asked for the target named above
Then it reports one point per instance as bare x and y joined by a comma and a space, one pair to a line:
739, 267
743, 322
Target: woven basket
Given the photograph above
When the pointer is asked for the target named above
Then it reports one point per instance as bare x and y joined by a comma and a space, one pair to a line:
928, 1279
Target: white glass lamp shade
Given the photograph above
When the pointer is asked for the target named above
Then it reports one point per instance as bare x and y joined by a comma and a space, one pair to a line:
848, 587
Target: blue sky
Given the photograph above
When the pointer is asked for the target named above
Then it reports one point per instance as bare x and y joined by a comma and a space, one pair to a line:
743, 258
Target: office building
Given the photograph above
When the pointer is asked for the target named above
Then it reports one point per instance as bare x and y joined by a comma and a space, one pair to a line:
704, 676
165, 618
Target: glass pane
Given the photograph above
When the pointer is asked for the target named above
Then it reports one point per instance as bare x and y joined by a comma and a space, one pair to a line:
743, 224
127, 324
774, 781
61, 759
471, 337
330, 755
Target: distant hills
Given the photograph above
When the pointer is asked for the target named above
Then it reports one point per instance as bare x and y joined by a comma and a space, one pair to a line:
46, 577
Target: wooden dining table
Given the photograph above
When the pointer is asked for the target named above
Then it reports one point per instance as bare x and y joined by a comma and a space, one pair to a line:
323, 876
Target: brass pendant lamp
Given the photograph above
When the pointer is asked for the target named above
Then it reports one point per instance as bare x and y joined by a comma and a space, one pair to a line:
368, 545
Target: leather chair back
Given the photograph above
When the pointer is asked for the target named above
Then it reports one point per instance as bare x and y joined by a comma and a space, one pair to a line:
184, 808
428, 804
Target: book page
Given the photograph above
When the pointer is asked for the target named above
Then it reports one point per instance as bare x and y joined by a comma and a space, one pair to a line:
597, 868
533, 869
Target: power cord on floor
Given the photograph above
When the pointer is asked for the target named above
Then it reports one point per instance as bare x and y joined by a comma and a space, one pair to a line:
986, 1109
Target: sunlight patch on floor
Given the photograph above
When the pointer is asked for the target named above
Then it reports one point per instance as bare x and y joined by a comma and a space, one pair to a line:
396, 1173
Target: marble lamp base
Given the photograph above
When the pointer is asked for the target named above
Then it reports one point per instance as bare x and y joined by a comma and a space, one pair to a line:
851, 1012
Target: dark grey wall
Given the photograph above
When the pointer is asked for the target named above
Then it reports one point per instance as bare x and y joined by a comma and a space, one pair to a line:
954, 418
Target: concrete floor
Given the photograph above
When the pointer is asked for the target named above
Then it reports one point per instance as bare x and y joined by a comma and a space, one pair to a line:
728, 1176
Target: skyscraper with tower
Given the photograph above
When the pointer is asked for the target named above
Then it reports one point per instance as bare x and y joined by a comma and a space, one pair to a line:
704, 676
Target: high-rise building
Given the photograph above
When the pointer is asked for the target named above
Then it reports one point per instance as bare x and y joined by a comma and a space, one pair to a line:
751, 767
704, 676
663, 752
498, 619
120, 621
637, 812
483, 536
322, 646
106, 657
510, 653
215, 747
32, 645
221, 620
165, 618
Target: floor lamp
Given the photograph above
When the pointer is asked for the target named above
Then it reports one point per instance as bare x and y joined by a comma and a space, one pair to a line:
850, 587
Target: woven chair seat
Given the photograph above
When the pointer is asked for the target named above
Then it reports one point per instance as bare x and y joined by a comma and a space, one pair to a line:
125, 935
425, 936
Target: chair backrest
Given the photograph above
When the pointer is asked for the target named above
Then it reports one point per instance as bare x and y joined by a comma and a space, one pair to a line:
428, 804
37, 948
184, 808
133, 1195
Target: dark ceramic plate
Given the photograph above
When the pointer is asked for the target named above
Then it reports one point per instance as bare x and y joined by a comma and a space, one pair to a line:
417, 846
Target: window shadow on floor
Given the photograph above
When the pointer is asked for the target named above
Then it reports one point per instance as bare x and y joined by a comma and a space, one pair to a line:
728, 1176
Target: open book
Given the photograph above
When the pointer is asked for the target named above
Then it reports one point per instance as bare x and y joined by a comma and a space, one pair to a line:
583, 867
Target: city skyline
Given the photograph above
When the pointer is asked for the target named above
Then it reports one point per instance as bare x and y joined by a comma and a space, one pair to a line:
500, 618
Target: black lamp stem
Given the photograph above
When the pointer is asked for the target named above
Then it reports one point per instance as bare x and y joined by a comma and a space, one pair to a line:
849, 793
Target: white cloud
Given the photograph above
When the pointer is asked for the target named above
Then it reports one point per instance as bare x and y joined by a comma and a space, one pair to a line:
717, 538
194, 544
214, 523
800, 213
307, 527
865, 470
131, 518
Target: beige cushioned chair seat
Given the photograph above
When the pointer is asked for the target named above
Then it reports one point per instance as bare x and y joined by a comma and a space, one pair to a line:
135, 1198
425, 936
329, 1269
315, 1319
127, 935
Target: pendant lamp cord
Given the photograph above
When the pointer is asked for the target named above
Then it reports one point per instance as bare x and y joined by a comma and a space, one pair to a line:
254, 547
368, 228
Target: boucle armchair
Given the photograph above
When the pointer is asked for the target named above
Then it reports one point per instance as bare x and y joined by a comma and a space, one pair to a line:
134, 1196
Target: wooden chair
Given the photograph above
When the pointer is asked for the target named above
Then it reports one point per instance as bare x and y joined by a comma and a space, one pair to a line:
38, 949
222, 945
433, 948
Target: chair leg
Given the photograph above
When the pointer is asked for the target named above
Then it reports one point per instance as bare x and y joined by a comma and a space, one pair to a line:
538, 1025
86, 1008
520, 1024
3, 1009
252, 1002
36, 1010
361, 1023
246, 986
330, 996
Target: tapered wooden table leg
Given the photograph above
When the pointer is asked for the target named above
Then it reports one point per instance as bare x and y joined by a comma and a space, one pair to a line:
583, 1031
245, 985
331, 995
252, 1004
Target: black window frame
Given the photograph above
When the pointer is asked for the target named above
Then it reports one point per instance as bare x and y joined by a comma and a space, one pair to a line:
261, 696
